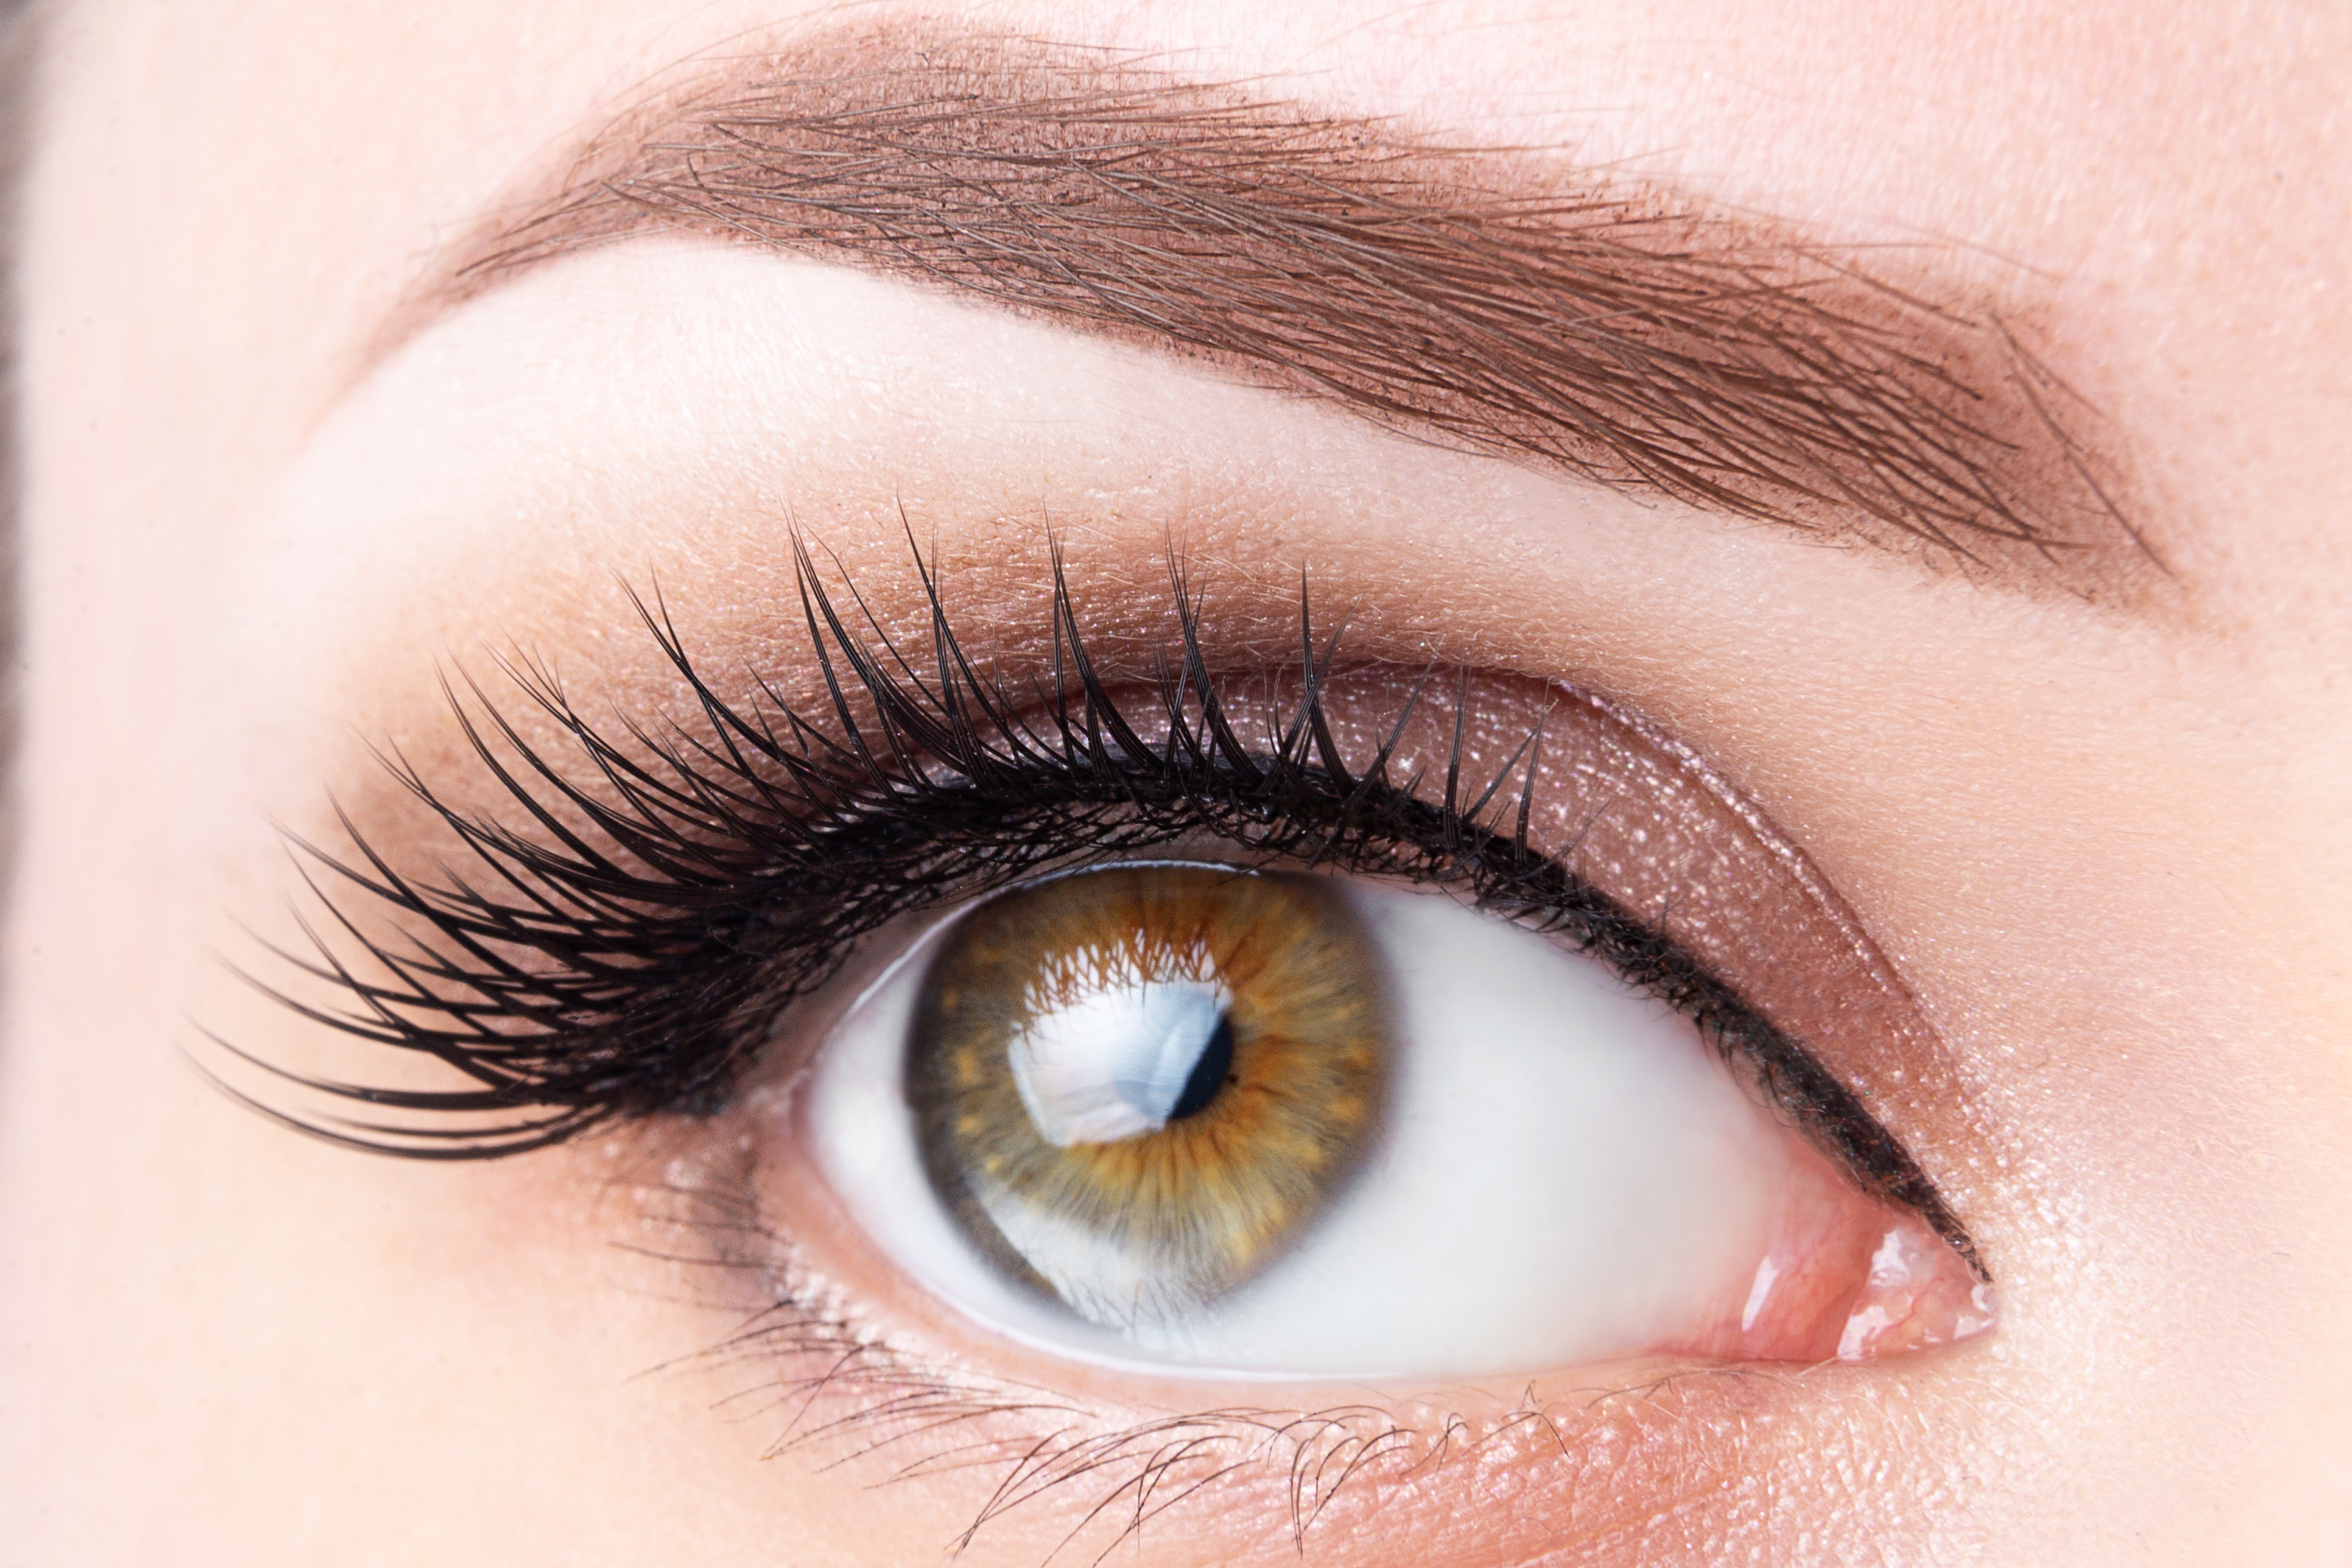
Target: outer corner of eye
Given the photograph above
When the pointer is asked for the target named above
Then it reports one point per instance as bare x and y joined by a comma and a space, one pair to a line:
1274, 1124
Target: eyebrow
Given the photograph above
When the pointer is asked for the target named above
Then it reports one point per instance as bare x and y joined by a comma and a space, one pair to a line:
1496, 299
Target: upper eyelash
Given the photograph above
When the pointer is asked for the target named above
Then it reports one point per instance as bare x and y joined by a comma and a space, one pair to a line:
638, 966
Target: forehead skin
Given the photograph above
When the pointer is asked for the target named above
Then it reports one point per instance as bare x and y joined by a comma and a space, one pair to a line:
2113, 854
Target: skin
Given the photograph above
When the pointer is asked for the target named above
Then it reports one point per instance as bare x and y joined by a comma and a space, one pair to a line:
2104, 843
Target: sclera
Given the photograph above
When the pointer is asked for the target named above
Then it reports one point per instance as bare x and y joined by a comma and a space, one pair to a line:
1564, 1173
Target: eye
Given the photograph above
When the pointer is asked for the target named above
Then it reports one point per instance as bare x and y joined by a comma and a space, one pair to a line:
1512, 1040
1287, 1124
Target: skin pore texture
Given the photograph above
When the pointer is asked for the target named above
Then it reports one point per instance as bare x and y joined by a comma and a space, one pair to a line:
287, 462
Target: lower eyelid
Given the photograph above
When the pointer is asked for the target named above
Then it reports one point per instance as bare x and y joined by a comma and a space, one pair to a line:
1028, 1452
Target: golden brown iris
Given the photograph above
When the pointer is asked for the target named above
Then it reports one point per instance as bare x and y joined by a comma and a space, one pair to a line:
1132, 1085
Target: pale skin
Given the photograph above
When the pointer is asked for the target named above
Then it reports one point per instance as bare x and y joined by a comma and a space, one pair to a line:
2104, 841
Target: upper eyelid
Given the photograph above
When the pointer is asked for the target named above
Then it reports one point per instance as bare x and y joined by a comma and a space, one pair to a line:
571, 1069
1732, 363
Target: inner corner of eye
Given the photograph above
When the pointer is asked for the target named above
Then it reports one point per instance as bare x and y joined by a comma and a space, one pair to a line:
1275, 1123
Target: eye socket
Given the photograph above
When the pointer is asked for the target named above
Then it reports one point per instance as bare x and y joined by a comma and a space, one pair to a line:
753, 862
1265, 1123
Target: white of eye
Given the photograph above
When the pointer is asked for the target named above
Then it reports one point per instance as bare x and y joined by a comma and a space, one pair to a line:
1564, 1173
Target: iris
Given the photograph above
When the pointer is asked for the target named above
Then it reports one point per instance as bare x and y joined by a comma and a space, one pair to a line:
1133, 1086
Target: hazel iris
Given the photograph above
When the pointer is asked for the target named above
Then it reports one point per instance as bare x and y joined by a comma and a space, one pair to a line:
1133, 1087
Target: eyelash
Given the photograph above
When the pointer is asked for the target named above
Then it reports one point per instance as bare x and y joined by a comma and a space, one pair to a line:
1138, 1468
635, 965
585, 982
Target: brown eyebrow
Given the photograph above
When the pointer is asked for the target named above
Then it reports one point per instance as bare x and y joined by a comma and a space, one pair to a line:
1484, 298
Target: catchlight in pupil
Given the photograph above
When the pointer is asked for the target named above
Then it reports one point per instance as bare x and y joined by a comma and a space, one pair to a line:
1209, 1073
1126, 1060
1134, 1087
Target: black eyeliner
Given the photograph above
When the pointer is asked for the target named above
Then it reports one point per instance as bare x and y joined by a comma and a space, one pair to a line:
638, 968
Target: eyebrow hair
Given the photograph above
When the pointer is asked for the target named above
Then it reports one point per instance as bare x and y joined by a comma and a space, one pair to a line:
1488, 299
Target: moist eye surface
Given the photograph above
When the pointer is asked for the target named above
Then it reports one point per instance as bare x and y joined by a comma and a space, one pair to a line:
1237, 1121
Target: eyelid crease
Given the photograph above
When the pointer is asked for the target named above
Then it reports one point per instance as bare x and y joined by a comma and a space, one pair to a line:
640, 936
1617, 329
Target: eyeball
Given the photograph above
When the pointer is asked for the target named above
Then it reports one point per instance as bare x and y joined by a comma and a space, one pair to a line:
1269, 1124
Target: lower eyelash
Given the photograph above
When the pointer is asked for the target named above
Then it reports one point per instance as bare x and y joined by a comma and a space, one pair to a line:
1113, 1473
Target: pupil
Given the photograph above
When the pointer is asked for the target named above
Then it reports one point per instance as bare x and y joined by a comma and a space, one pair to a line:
1208, 1073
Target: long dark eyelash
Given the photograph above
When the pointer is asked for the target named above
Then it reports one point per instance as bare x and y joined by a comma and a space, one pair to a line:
629, 950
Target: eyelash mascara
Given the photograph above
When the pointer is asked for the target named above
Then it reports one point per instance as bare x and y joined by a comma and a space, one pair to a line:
626, 948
